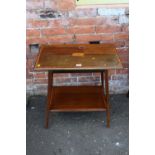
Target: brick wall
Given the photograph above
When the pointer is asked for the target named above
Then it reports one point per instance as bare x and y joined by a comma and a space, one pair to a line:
59, 21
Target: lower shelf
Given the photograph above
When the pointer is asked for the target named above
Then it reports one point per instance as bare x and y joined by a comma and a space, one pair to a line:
77, 98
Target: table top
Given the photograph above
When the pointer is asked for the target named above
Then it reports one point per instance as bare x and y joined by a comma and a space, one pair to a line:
77, 57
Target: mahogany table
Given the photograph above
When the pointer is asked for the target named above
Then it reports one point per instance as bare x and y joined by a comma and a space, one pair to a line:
71, 58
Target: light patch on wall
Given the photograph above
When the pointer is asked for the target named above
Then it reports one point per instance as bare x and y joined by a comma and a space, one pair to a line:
88, 2
34, 48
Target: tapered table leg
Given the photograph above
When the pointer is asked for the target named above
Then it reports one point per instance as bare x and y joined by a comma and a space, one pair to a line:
102, 82
49, 97
103, 87
107, 98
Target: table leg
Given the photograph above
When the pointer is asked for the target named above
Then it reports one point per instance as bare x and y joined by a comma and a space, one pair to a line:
102, 82
103, 86
49, 97
107, 98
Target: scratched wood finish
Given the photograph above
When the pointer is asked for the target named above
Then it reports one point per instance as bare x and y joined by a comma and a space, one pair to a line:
77, 57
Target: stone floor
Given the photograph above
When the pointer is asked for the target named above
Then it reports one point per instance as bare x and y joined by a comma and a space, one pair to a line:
77, 133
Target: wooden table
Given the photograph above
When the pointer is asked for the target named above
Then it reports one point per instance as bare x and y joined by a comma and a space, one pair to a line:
79, 58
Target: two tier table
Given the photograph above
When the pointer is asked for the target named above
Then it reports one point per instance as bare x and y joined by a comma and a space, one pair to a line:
78, 58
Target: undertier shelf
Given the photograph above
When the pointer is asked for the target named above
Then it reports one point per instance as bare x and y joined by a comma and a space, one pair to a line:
77, 98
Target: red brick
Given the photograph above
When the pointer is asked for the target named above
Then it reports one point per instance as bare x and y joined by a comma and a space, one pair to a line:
50, 39
111, 72
119, 43
65, 22
124, 58
81, 30
96, 74
82, 21
106, 20
125, 65
36, 40
54, 31
126, 43
32, 33
56, 75
39, 75
123, 51
121, 36
55, 23
37, 23
60, 39
125, 28
66, 5
101, 21
108, 29
87, 38
122, 71
30, 63
107, 37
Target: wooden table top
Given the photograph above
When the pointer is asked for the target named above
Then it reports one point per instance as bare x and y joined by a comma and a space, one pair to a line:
77, 57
